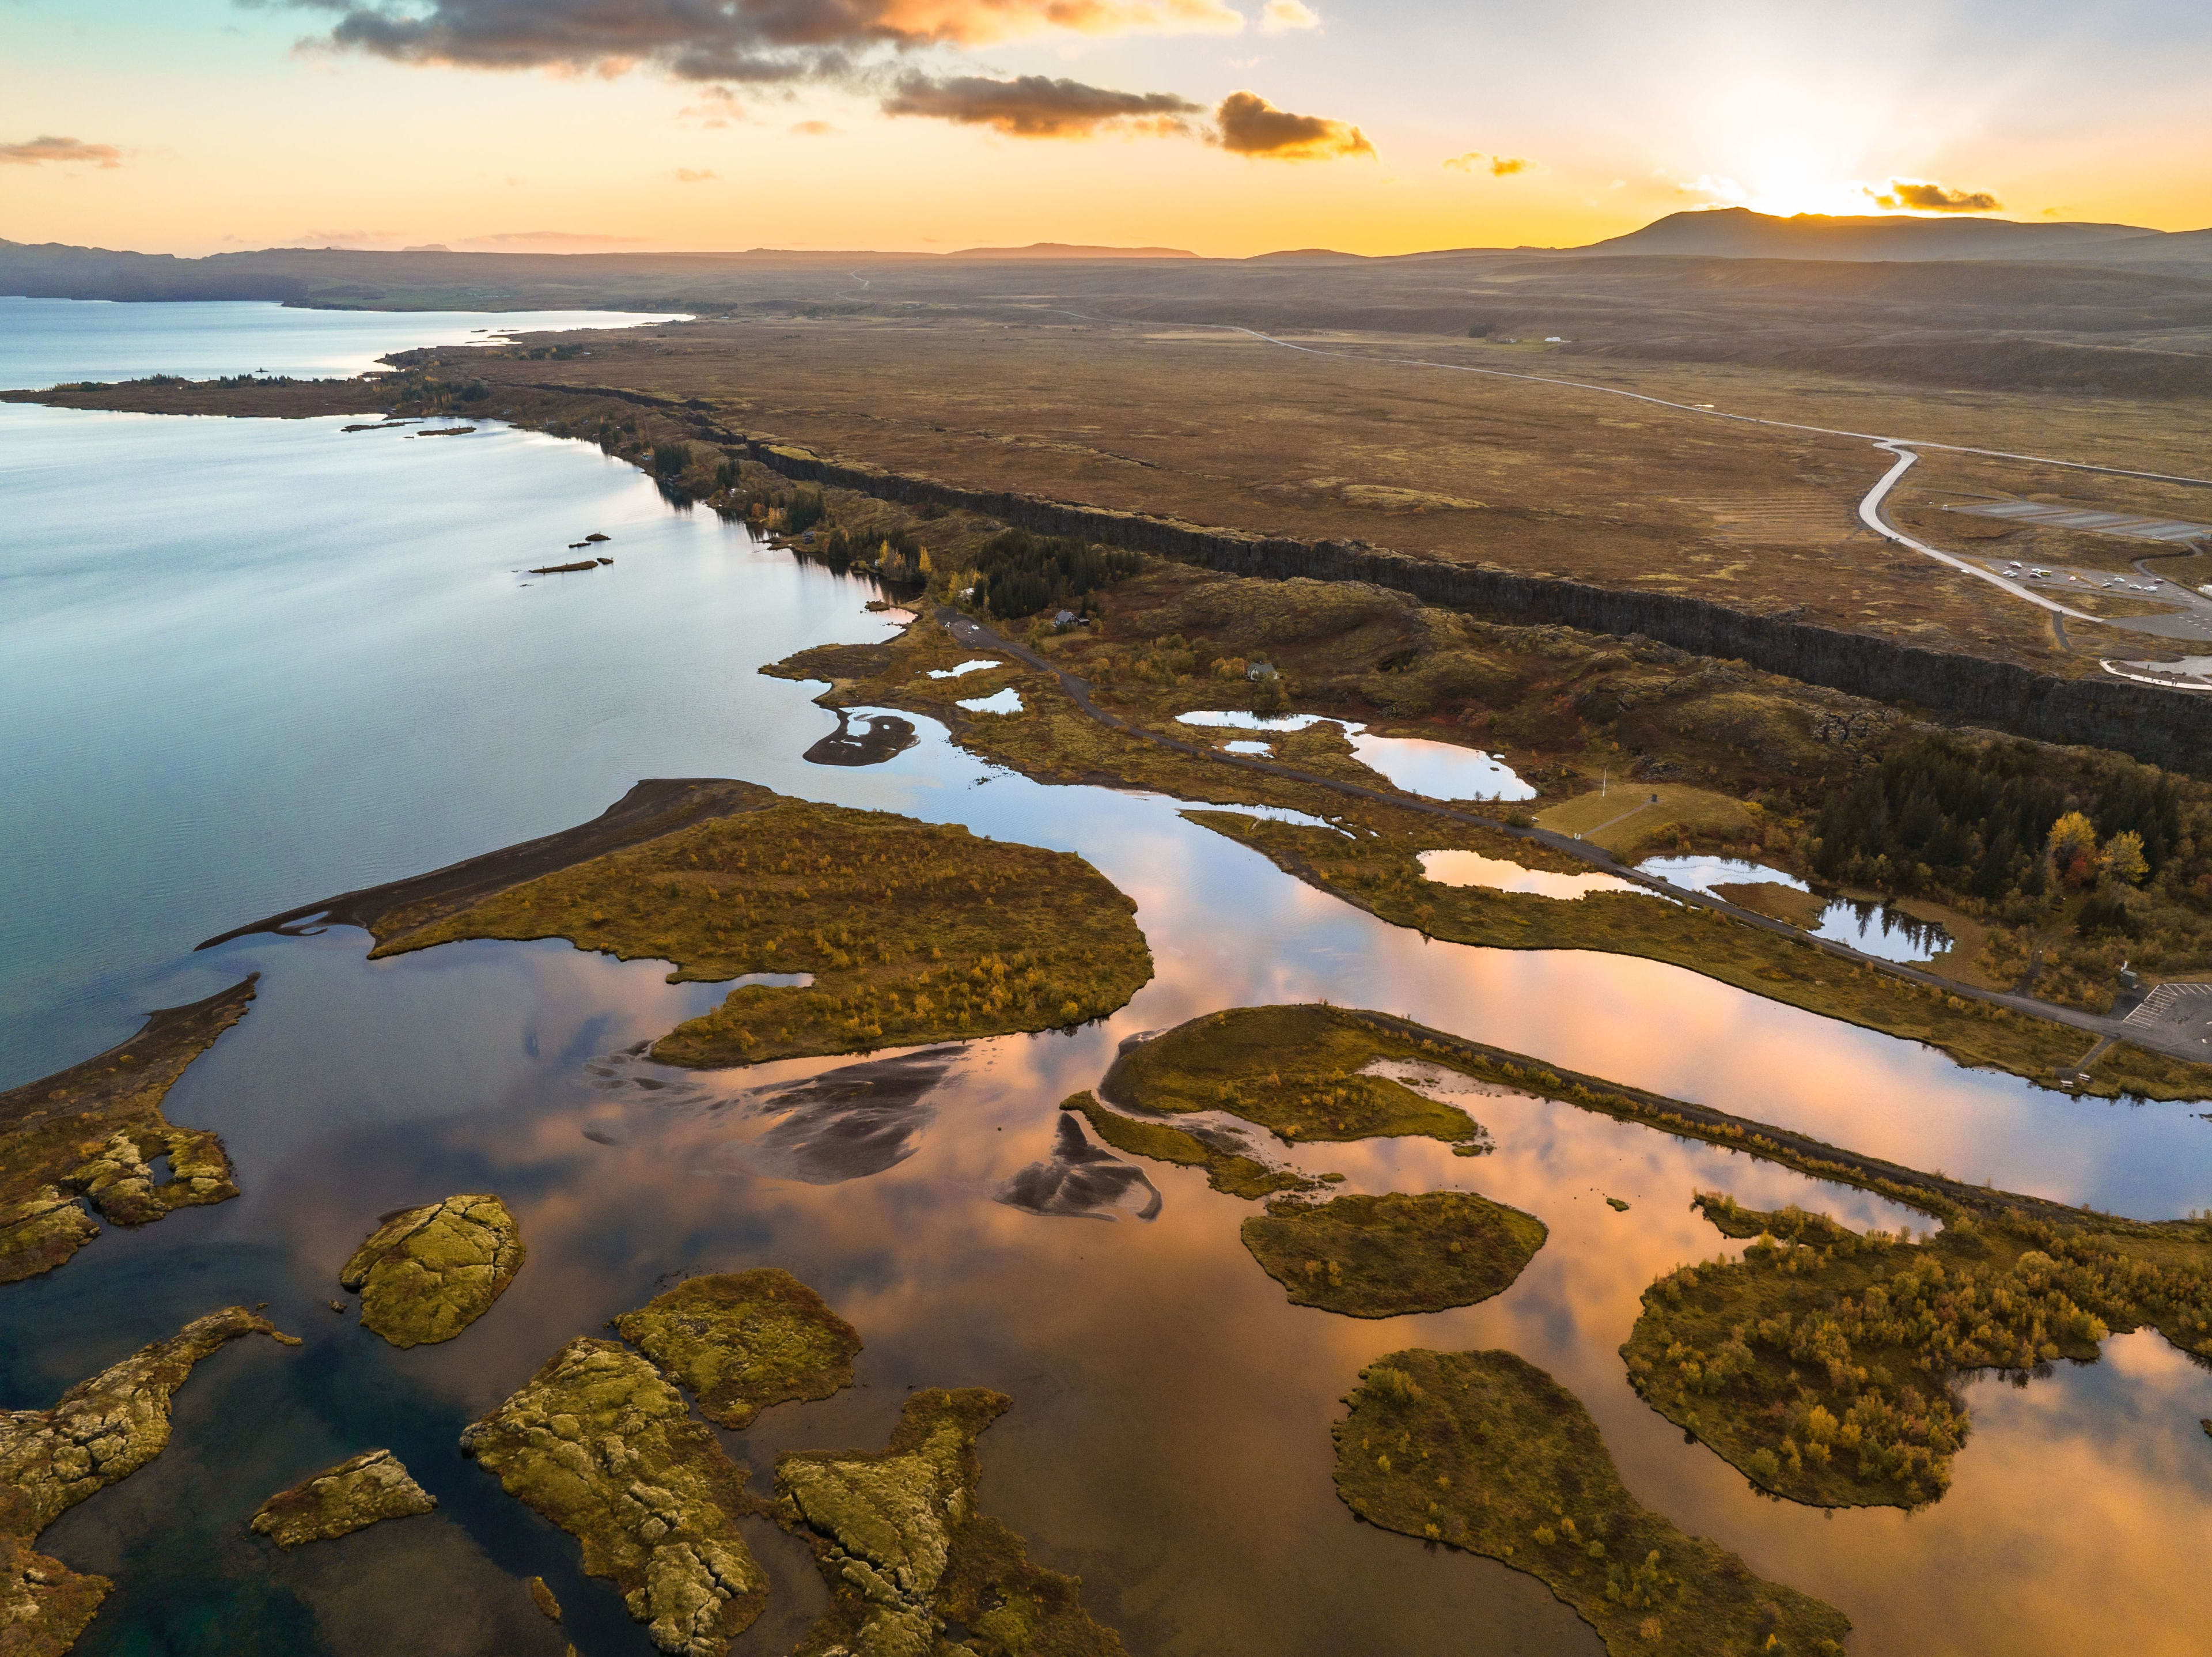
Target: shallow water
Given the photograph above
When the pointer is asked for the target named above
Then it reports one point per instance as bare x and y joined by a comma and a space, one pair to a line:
288, 661
1878, 929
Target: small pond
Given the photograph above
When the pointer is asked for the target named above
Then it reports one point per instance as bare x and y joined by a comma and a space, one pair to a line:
1435, 771
1008, 701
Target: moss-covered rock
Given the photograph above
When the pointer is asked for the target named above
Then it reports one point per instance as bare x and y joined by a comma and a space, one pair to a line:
905, 1553
427, 1273
348, 1497
741, 1341
1382, 1256
1485, 1452
95, 1132
44, 1605
100, 1431
599, 1444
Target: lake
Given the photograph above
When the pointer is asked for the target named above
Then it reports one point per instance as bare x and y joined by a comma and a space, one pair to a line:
252, 663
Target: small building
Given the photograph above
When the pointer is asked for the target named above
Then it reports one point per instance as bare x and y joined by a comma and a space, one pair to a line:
1260, 670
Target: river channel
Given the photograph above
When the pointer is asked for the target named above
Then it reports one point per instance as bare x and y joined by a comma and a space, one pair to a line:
249, 663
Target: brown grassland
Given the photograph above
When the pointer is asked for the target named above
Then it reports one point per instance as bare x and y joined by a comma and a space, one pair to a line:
914, 932
1221, 429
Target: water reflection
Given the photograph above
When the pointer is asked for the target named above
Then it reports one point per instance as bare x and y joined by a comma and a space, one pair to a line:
1435, 770
1871, 926
1080, 1180
1472, 869
1169, 1439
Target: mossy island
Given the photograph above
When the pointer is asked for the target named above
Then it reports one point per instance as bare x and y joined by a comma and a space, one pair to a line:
1298, 1071
601, 1445
906, 1553
97, 1434
360, 1491
912, 932
1484, 1451
739, 1342
92, 1133
427, 1273
1825, 1364
1383, 1257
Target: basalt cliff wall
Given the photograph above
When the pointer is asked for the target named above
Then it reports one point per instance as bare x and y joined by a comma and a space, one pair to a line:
2165, 727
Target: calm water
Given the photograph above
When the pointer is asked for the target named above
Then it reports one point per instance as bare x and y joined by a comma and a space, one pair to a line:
46, 341
1872, 928
286, 661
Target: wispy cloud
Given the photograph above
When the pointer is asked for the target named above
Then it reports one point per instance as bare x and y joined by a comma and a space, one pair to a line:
37, 151
812, 129
718, 106
1038, 106
1498, 166
1250, 126
1923, 196
1286, 16
548, 241
696, 174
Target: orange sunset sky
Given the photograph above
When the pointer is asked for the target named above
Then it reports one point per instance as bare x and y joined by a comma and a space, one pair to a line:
1228, 127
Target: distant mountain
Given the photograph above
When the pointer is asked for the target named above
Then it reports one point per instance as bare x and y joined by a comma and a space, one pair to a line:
1070, 250
1739, 233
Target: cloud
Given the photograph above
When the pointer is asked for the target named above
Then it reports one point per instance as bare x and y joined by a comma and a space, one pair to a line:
548, 241
1037, 106
1498, 166
1922, 197
812, 129
1283, 17
718, 106
1250, 126
696, 174
49, 148
740, 40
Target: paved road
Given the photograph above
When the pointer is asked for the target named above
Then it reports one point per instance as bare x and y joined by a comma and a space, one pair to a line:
974, 635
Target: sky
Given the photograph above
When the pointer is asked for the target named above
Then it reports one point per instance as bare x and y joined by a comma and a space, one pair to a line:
1225, 127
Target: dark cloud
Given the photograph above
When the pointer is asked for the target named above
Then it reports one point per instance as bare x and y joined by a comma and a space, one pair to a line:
1925, 198
740, 40
1250, 126
31, 154
1037, 106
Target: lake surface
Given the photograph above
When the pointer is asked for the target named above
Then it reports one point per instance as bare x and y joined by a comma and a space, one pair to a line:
44, 341
286, 661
